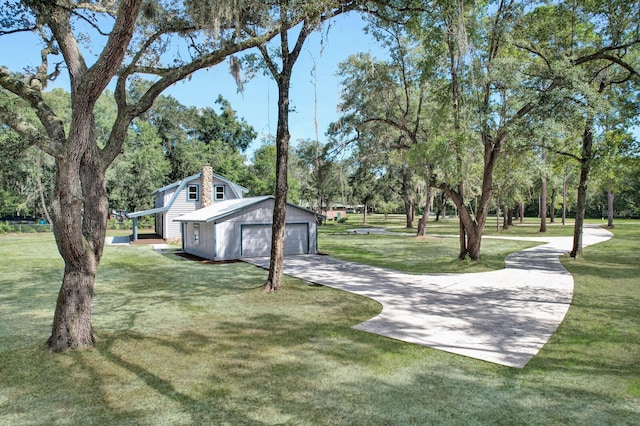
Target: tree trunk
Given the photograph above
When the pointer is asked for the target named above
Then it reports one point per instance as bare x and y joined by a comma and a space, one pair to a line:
552, 205
406, 197
507, 218
422, 224
543, 196
364, 213
610, 196
521, 212
473, 245
472, 231
543, 205
585, 165
79, 214
72, 319
564, 196
462, 253
441, 205
43, 203
276, 263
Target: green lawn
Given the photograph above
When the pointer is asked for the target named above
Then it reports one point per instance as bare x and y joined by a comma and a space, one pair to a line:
437, 252
187, 343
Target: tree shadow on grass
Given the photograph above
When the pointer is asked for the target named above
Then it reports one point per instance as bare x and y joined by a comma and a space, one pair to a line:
277, 368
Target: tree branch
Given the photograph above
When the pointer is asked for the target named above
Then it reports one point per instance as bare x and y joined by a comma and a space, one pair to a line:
52, 124
604, 56
169, 76
32, 135
568, 154
99, 75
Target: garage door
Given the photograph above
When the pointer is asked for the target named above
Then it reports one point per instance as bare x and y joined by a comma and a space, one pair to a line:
256, 240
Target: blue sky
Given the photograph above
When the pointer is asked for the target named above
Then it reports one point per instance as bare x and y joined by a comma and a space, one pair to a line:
257, 104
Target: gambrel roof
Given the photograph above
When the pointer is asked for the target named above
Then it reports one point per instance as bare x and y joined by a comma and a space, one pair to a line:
235, 188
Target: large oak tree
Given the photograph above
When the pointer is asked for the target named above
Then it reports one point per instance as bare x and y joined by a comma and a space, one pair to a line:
166, 40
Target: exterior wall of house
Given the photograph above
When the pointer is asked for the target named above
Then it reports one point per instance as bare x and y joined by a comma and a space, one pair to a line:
336, 213
204, 245
225, 237
160, 199
181, 205
159, 224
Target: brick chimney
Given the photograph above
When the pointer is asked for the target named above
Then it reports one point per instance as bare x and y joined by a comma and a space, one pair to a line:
207, 186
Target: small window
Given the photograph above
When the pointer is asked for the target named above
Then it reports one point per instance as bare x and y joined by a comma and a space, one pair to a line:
196, 233
193, 193
218, 192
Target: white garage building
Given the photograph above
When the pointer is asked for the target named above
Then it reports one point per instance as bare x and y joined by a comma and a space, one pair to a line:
234, 229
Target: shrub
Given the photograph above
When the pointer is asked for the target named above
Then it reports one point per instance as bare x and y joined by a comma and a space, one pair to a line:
5, 228
42, 228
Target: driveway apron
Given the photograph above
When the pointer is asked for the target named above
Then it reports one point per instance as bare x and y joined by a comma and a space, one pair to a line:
504, 316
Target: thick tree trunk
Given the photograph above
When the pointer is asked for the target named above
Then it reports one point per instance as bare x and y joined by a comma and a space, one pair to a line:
79, 214
585, 165
473, 245
72, 319
472, 232
610, 196
521, 212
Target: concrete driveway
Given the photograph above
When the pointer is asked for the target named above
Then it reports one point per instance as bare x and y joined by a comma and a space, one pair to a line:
504, 316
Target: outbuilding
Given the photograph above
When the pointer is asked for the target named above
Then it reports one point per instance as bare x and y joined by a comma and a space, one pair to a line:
234, 229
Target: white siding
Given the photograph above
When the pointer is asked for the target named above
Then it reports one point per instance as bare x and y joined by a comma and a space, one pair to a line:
228, 192
204, 246
223, 240
182, 206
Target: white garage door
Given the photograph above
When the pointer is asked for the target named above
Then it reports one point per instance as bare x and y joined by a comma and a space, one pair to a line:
256, 240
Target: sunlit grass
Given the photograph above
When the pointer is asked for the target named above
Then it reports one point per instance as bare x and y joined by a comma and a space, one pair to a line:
416, 255
187, 343
449, 226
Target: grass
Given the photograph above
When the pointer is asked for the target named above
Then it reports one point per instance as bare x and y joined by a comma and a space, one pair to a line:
436, 253
416, 255
447, 226
186, 343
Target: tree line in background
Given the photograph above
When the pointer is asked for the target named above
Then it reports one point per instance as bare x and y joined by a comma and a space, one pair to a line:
172, 141
477, 105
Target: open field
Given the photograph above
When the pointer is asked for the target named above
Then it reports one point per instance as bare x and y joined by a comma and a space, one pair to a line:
186, 343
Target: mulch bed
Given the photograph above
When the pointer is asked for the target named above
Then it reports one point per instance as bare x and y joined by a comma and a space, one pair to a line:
203, 260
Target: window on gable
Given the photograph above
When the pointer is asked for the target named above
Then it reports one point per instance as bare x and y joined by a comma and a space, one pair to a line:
193, 193
218, 192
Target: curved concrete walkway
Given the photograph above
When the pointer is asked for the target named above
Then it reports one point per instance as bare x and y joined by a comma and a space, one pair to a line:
504, 316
